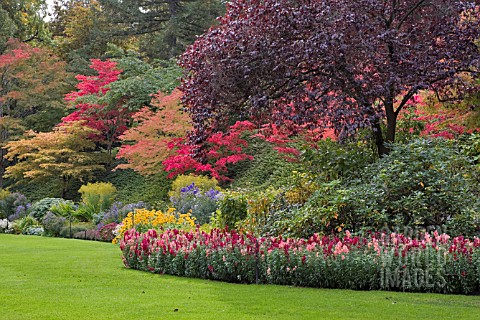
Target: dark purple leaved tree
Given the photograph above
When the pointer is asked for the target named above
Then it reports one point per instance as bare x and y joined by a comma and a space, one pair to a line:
340, 63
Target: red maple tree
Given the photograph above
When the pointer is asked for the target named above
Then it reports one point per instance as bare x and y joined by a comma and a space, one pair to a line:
111, 122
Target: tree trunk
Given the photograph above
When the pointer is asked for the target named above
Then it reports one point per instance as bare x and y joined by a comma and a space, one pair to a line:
2, 165
391, 122
64, 187
379, 141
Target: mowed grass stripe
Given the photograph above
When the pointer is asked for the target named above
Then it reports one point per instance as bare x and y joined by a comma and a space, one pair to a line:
50, 278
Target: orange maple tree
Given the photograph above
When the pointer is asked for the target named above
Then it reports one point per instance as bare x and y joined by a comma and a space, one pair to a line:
146, 145
32, 84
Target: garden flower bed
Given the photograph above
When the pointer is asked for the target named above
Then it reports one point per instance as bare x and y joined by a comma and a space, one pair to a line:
429, 263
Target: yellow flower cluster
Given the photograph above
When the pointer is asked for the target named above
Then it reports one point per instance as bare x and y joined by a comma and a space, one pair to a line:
143, 219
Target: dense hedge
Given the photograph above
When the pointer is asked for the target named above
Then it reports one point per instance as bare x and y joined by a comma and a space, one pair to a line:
434, 263
133, 187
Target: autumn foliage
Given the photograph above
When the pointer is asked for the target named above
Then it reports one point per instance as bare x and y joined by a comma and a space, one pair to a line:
65, 153
146, 145
223, 149
426, 116
158, 138
109, 122
343, 64
32, 84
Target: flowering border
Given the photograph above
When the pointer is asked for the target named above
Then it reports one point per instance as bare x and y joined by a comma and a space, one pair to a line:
431, 263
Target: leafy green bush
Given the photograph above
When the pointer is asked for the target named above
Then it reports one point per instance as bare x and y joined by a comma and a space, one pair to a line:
3, 194
96, 197
64, 209
422, 185
100, 195
34, 231
331, 160
232, 208
202, 183
267, 169
133, 187
470, 145
260, 207
46, 188
40, 208
28, 225
53, 224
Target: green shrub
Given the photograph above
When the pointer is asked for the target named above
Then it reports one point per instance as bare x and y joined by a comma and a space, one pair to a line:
203, 184
331, 160
260, 207
53, 224
100, 195
267, 169
46, 188
13, 206
64, 209
133, 187
232, 208
421, 184
321, 212
3, 194
28, 225
40, 208
96, 197
34, 231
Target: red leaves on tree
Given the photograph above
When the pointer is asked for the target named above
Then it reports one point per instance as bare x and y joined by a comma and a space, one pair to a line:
326, 64
223, 149
110, 122
438, 120
151, 140
95, 85
28, 75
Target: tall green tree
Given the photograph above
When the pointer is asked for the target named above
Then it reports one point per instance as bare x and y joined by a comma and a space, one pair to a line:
164, 27
23, 19
79, 32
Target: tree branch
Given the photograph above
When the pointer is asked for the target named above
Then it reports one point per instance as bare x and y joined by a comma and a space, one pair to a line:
409, 13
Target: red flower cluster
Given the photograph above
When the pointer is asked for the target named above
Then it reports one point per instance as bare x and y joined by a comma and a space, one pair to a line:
179, 242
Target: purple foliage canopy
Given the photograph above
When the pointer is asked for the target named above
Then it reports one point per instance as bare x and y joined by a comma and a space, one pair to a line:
316, 64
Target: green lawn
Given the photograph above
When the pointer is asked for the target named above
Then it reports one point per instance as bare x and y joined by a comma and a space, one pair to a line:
47, 278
